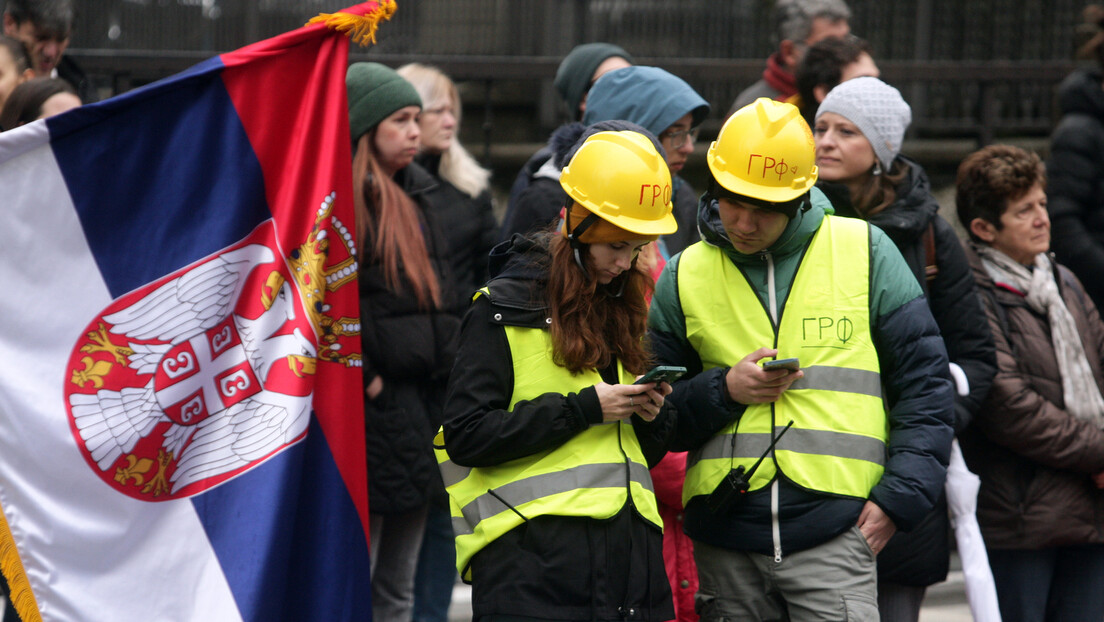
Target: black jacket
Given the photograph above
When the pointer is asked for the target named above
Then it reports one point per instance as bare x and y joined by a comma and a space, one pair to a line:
914, 374
920, 556
1075, 180
468, 227
412, 349
535, 204
553, 567
71, 72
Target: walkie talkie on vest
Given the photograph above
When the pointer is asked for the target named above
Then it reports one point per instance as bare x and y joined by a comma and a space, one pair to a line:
732, 488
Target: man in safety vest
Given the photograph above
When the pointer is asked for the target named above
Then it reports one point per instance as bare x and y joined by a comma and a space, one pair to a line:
870, 399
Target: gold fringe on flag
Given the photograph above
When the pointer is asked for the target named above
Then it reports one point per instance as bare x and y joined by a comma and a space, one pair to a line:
360, 28
22, 598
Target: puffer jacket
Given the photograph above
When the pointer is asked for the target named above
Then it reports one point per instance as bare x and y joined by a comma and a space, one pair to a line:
1034, 459
537, 204
1075, 180
412, 349
467, 225
921, 557
913, 369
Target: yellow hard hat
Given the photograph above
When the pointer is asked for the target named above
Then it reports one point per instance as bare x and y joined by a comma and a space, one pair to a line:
765, 151
621, 178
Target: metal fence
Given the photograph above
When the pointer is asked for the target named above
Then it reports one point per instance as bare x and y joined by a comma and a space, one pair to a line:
979, 68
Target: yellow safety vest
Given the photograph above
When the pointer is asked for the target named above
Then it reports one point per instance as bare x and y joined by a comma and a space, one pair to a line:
838, 441
593, 474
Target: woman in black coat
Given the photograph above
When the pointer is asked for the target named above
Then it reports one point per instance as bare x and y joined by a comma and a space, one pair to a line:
858, 133
408, 327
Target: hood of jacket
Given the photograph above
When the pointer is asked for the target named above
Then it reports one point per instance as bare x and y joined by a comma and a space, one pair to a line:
1081, 92
647, 96
793, 238
907, 217
520, 269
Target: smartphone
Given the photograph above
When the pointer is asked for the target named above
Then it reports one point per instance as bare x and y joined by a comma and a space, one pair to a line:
790, 364
662, 373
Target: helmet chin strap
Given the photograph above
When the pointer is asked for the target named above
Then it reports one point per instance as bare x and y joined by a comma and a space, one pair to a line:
573, 238
577, 248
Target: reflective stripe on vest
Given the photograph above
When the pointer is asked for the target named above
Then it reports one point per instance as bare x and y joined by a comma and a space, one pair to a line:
593, 474
514, 495
837, 444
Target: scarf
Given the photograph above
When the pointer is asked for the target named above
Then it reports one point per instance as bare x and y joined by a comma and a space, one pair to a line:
1079, 388
779, 78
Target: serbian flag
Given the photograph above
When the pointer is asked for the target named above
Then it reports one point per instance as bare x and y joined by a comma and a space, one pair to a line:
181, 421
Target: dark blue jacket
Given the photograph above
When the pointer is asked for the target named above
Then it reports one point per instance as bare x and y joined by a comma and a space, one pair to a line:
914, 372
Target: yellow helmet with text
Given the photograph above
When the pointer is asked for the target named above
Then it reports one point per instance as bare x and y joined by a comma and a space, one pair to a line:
765, 151
620, 177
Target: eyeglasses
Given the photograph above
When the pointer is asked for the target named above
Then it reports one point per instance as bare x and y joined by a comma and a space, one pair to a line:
678, 138
438, 110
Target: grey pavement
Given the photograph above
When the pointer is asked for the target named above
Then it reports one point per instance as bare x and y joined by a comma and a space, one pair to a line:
944, 602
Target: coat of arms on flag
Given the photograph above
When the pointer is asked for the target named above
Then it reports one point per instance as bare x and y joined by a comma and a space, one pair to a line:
181, 408
207, 372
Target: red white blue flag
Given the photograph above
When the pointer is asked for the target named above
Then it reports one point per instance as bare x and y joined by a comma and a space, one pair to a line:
181, 421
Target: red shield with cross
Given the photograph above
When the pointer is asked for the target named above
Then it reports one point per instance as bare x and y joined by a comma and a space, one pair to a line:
203, 375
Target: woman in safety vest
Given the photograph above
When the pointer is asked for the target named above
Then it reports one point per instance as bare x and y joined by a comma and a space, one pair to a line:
546, 447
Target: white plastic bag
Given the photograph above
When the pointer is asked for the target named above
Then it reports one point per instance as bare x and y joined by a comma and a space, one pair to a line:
962, 489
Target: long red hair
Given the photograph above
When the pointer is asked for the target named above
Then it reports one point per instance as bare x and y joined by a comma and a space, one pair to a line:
591, 325
388, 218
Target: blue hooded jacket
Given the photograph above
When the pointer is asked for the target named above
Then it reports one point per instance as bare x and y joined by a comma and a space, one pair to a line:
654, 99
647, 96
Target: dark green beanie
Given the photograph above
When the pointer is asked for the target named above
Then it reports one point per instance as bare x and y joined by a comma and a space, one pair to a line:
576, 69
375, 91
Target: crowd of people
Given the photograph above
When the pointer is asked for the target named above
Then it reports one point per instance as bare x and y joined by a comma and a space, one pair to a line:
833, 343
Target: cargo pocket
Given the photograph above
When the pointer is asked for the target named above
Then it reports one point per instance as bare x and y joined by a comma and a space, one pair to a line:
860, 608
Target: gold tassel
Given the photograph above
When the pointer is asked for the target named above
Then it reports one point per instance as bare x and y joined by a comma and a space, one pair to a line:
360, 28
22, 598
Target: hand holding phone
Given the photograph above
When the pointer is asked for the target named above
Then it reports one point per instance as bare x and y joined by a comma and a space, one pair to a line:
662, 373
788, 364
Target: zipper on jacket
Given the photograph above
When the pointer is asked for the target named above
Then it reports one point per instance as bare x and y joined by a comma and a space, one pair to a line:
772, 305
776, 527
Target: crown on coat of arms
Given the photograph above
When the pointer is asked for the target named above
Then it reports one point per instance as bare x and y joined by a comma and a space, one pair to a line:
314, 280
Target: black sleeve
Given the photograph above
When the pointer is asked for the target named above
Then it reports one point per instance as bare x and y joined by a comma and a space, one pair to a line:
479, 430
488, 236
919, 393
1075, 196
700, 397
656, 435
537, 208
962, 322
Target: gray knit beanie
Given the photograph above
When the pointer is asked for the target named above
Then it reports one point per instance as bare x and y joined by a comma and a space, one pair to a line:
876, 108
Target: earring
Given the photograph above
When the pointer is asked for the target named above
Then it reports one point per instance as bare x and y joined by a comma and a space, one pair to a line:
877, 168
